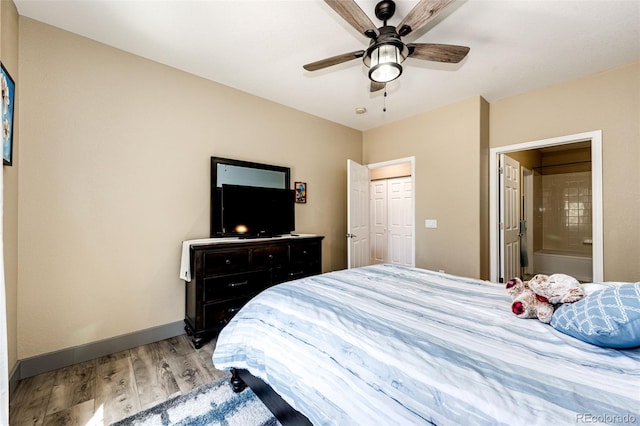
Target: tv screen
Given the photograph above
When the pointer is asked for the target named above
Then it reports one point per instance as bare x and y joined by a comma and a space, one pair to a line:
252, 211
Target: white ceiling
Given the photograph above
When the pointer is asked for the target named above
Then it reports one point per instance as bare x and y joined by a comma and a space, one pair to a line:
259, 47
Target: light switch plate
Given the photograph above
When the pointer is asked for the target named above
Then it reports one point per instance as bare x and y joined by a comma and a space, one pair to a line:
430, 223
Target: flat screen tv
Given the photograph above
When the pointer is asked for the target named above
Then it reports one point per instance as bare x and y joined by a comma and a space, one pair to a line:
227, 171
251, 211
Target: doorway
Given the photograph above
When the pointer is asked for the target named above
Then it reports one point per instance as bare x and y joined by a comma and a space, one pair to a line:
382, 230
527, 258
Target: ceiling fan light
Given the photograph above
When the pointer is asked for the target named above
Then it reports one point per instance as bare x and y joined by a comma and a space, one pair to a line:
385, 73
384, 62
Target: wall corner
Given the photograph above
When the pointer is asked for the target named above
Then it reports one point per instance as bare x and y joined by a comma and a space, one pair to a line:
484, 248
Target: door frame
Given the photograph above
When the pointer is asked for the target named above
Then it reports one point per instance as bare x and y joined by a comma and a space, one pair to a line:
595, 137
527, 195
412, 161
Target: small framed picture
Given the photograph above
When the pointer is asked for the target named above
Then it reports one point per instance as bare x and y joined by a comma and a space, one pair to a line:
8, 96
301, 192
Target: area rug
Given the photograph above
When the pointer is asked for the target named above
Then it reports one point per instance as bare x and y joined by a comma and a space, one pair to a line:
211, 404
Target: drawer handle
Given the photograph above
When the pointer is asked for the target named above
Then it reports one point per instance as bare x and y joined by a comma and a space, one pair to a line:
241, 283
228, 261
270, 257
233, 310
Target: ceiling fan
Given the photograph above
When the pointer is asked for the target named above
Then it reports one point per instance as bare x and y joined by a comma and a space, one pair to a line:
386, 49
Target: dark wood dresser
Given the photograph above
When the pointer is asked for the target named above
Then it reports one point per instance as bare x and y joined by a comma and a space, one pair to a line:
227, 273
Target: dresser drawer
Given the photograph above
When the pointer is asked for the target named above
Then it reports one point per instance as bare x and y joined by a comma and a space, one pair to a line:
216, 315
305, 260
305, 252
224, 287
225, 261
269, 257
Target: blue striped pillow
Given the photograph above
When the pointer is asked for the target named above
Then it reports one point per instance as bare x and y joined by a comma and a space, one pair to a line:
609, 317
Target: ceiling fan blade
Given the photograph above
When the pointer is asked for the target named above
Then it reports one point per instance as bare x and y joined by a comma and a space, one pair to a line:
421, 14
351, 12
438, 52
375, 86
334, 60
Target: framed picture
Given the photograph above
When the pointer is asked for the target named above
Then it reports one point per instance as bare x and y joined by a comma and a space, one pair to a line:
8, 96
301, 192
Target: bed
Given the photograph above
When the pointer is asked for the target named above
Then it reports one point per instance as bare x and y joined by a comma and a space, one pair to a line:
386, 344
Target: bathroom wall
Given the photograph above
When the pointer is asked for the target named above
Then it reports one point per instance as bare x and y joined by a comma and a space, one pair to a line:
563, 193
566, 212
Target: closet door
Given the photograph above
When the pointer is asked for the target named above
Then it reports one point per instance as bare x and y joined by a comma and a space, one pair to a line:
400, 225
391, 221
378, 214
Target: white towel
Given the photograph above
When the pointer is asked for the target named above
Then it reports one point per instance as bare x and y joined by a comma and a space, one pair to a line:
185, 264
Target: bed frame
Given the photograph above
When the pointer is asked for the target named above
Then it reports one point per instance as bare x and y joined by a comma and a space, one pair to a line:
285, 414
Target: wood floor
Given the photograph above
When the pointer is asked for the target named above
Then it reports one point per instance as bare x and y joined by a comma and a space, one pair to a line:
110, 388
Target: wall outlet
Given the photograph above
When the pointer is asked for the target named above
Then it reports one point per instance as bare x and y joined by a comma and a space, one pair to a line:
430, 223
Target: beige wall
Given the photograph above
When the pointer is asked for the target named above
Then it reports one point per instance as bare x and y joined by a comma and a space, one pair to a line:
609, 101
448, 144
115, 174
529, 159
483, 185
9, 55
392, 171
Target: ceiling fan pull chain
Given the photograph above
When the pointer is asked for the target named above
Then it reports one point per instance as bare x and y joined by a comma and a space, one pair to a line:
384, 105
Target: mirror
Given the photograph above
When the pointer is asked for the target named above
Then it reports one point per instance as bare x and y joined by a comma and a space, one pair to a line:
237, 172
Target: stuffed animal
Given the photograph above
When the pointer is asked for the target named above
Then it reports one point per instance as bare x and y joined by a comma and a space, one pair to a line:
526, 303
537, 297
557, 288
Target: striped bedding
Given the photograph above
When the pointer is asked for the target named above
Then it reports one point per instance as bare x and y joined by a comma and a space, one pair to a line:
388, 345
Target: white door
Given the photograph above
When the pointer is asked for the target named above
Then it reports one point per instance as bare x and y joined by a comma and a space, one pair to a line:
357, 215
400, 221
378, 211
509, 218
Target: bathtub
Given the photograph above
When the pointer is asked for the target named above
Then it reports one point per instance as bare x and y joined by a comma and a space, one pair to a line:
550, 262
